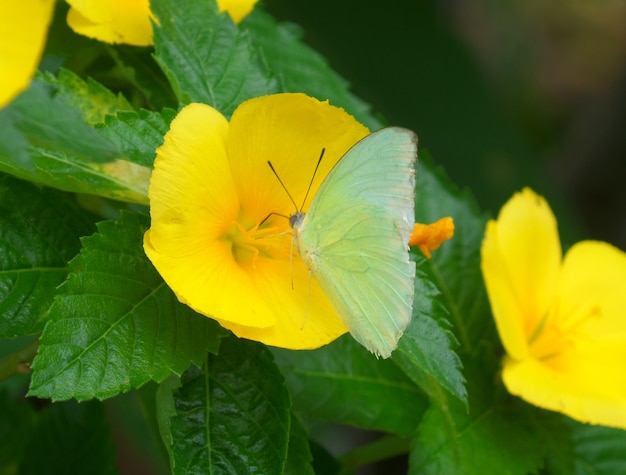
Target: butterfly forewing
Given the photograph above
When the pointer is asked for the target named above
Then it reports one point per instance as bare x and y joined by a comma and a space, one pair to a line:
354, 237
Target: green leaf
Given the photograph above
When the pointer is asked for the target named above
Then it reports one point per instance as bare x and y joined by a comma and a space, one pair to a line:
119, 180
14, 156
300, 68
138, 135
324, 382
425, 351
44, 138
115, 324
299, 457
455, 266
39, 235
71, 438
555, 434
48, 116
232, 416
599, 450
205, 57
496, 436
91, 99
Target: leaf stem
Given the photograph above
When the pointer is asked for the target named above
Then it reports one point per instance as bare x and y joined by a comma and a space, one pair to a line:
18, 362
382, 449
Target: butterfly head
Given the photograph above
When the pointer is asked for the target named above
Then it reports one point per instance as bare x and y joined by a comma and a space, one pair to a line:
295, 220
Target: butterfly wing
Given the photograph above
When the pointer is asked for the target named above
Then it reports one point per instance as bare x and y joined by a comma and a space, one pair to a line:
354, 237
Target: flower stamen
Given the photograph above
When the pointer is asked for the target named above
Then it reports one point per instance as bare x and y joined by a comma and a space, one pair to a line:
550, 340
245, 244
261, 239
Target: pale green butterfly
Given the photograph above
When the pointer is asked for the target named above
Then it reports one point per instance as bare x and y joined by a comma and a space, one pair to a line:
354, 237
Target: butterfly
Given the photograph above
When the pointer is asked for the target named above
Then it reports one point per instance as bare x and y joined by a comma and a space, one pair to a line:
354, 237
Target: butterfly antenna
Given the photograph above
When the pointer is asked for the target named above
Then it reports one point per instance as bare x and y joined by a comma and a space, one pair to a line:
319, 160
283, 185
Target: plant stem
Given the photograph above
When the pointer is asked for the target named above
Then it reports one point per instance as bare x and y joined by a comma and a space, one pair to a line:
18, 362
382, 449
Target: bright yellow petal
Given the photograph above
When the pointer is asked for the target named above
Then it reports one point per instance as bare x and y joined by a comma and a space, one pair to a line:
237, 9
587, 383
502, 297
191, 192
306, 319
521, 257
192, 204
112, 21
592, 293
102, 11
290, 130
580, 354
24, 29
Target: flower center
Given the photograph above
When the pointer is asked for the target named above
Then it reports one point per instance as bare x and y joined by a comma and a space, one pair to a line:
558, 332
266, 239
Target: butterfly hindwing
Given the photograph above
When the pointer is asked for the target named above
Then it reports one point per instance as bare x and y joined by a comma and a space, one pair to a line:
354, 237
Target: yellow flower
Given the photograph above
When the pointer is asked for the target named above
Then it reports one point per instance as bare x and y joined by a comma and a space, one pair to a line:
24, 28
24, 25
112, 21
561, 321
220, 234
428, 237
128, 21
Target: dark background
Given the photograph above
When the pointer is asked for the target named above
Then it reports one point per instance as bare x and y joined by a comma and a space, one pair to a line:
502, 94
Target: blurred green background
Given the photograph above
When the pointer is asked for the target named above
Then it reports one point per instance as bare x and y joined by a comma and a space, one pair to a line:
503, 94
